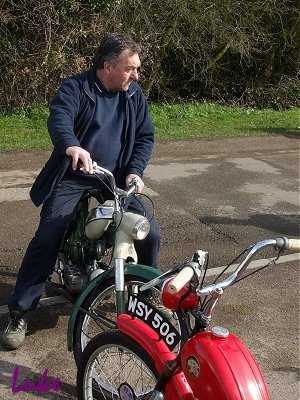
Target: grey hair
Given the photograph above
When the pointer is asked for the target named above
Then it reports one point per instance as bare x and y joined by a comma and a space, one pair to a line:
111, 46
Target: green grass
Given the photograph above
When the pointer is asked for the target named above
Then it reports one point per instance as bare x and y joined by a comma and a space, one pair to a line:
211, 120
26, 130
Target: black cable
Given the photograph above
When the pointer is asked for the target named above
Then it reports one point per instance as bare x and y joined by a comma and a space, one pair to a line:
261, 268
232, 262
152, 213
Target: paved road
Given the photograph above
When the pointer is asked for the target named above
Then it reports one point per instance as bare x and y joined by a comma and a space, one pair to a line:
218, 195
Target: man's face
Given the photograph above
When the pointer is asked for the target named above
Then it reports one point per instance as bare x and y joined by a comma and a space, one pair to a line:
124, 72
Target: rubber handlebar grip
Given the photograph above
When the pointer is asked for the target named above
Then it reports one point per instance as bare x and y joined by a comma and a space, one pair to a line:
180, 280
294, 244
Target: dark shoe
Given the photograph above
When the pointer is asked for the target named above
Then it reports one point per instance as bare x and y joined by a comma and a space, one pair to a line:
14, 332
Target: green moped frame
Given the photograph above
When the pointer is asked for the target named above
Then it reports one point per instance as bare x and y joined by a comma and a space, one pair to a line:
143, 271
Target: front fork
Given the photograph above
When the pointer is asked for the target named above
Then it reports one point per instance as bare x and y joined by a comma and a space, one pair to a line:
120, 285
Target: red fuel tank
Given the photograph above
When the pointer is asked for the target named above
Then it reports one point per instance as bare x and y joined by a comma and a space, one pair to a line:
217, 365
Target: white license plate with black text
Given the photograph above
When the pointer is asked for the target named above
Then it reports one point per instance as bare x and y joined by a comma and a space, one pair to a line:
146, 312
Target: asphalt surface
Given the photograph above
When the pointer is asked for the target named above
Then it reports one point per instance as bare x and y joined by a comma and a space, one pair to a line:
219, 195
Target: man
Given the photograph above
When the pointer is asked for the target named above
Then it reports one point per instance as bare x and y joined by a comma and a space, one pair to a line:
100, 115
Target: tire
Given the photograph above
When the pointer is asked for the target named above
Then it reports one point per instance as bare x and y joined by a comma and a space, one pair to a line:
112, 358
102, 302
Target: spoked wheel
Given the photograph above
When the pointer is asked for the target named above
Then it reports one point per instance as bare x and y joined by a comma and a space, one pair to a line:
109, 360
100, 310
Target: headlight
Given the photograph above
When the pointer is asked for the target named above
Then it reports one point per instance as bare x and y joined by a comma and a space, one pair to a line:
134, 225
141, 229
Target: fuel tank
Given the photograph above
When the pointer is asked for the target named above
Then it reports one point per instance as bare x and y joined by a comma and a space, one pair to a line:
217, 365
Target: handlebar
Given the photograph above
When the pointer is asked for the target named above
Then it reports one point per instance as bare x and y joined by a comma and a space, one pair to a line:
132, 188
120, 192
187, 273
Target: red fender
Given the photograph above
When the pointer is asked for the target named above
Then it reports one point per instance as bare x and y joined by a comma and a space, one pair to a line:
222, 368
177, 388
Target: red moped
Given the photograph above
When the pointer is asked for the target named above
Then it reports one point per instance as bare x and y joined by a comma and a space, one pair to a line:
148, 359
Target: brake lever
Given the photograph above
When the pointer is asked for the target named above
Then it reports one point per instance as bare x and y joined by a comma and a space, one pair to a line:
156, 281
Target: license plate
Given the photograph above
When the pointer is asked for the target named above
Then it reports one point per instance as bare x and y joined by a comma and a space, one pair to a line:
146, 312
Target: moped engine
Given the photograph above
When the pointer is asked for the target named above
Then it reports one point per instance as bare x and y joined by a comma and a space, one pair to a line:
81, 258
74, 279
78, 267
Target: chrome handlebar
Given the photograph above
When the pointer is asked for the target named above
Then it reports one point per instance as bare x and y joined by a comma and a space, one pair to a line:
120, 192
187, 273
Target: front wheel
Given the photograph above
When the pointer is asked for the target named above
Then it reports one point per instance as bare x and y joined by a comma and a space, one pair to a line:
110, 359
99, 311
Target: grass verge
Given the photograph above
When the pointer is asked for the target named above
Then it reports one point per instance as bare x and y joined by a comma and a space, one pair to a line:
211, 120
27, 130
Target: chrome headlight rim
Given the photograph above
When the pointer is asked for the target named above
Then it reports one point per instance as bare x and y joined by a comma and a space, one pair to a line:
141, 228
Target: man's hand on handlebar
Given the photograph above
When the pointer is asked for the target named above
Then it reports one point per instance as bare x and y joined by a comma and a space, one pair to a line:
82, 158
78, 153
140, 183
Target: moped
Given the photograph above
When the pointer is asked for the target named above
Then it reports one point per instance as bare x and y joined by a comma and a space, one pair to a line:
97, 262
146, 359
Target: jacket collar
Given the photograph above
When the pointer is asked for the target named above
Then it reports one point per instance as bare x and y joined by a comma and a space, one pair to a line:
90, 83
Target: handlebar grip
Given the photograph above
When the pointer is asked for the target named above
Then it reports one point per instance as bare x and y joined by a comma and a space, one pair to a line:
294, 244
180, 280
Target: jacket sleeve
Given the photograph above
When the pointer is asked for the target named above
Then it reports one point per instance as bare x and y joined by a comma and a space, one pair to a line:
64, 108
144, 138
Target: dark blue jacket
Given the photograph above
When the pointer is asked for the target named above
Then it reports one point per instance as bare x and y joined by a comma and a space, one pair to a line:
71, 112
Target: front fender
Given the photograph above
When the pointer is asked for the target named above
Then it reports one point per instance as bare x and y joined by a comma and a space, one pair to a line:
177, 386
143, 271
